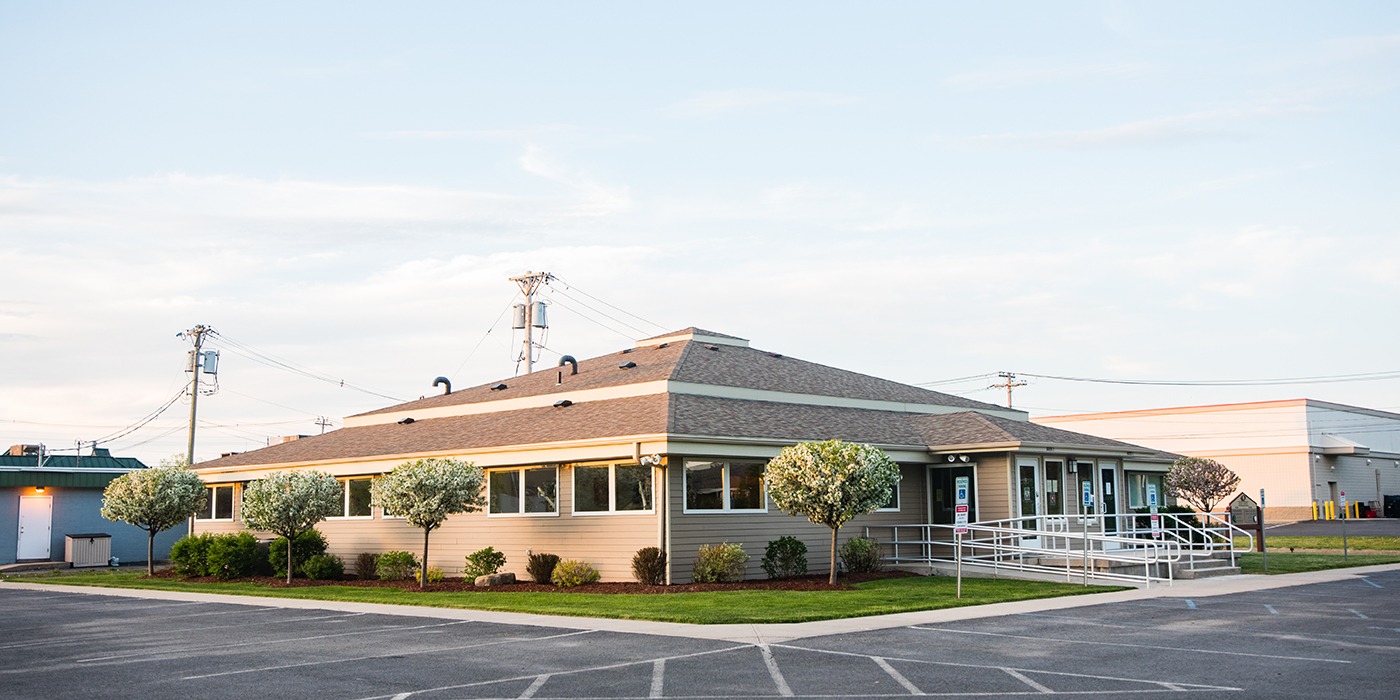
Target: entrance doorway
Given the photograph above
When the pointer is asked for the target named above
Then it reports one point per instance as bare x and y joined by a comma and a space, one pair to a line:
35, 526
1110, 503
942, 496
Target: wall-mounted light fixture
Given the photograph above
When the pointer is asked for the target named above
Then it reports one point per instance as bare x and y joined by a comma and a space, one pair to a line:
38, 489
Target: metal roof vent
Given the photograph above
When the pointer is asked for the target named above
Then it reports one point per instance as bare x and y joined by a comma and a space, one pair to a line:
662, 345
775, 354
498, 387
563, 403
407, 421
446, 385
711, 347
627, 365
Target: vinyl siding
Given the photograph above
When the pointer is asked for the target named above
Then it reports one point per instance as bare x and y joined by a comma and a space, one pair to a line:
755, 530
994, 487
605, 541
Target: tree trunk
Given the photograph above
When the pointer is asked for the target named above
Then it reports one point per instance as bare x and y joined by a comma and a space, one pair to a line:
423, 570
832, 579
289, 559
150, 552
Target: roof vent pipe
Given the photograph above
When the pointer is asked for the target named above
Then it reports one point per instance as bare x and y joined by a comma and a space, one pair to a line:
572, 363
446, 385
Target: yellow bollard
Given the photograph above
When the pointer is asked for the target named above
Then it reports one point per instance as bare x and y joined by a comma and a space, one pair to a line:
1314, 509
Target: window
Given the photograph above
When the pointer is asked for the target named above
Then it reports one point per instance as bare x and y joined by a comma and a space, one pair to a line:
612, 489
892, 505
523, 491
1137, 488
218, 504
354, 498
724, 486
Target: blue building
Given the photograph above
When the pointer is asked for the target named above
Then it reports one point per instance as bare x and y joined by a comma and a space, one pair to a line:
41, 501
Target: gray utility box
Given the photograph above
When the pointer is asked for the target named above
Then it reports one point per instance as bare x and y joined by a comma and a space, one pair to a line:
92, 549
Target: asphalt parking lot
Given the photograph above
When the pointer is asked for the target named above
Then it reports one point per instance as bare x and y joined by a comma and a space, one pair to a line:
1335, 639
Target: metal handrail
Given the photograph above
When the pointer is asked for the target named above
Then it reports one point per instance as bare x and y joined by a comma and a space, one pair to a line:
1002, 545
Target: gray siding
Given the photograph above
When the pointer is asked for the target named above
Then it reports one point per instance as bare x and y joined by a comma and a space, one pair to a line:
994, 487
78, 511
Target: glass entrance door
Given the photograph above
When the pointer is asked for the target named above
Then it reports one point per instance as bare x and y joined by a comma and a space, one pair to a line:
1054, 487
1027, 491
943, 496
1110, 502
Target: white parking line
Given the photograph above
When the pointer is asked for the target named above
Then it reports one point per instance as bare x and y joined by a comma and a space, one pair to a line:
1171, 685
773, 670
658, 678
897, 676
396, 653
1022, 677
1045, 640
1373, 583
534, 687
605, 667
268, 642
1271, 609
1354, 612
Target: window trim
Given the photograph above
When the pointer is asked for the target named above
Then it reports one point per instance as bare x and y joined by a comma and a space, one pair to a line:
345, 499
612, 491
522, 513
212, 490
724, 488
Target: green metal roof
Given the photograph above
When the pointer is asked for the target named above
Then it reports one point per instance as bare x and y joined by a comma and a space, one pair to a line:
64, 470
35, 477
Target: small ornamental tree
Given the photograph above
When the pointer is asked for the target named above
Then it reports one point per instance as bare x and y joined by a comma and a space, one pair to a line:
290, 503
425, 491
1201, 482
831, 482
154, 500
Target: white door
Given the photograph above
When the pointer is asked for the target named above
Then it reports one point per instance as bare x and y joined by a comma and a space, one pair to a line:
35, 524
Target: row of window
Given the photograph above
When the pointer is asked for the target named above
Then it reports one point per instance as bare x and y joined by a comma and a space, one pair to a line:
709, 487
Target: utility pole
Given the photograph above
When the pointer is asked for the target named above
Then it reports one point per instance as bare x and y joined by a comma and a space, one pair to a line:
529, 284
1009, 383
323, 422
196, 335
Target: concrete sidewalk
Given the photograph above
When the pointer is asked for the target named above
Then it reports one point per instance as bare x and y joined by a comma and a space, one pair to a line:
747, 633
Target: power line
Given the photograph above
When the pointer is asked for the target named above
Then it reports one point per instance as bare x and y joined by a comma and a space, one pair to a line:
494, 324
271, 361
592, 320
604, 314
1324, 379
600, 301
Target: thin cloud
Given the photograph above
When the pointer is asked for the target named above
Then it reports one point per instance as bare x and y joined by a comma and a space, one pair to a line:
715, 103
1194, 126
1022, 74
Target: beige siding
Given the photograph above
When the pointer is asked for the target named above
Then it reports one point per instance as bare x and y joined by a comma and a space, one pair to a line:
755, 530
605, 541
994, 487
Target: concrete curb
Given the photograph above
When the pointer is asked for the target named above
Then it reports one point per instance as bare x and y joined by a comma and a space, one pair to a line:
749, 633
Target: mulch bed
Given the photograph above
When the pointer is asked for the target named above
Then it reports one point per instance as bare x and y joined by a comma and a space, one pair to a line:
458, 585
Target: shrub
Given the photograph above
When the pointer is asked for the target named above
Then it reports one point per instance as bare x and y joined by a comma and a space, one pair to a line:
860, 555
234, 555
572, 572
434, 575
189, 555
541, 566
324, 567
364, 565
720, 563
483, 562
396, 566
308, 544
649, 566
785, 557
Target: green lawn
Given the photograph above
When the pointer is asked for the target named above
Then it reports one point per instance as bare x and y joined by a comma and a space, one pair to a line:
1283, 542
1286, 563
880, 597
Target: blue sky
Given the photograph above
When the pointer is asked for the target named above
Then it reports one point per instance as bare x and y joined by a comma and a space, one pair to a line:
919, 191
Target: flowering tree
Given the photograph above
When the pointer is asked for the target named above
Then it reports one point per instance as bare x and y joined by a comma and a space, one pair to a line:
290, 503
831, 482
1201, 482
425, 491
154, 500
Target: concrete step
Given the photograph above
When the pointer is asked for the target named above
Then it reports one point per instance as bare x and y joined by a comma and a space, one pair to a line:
1205, 572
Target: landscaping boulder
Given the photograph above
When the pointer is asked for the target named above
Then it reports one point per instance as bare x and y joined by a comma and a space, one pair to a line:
494, 580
